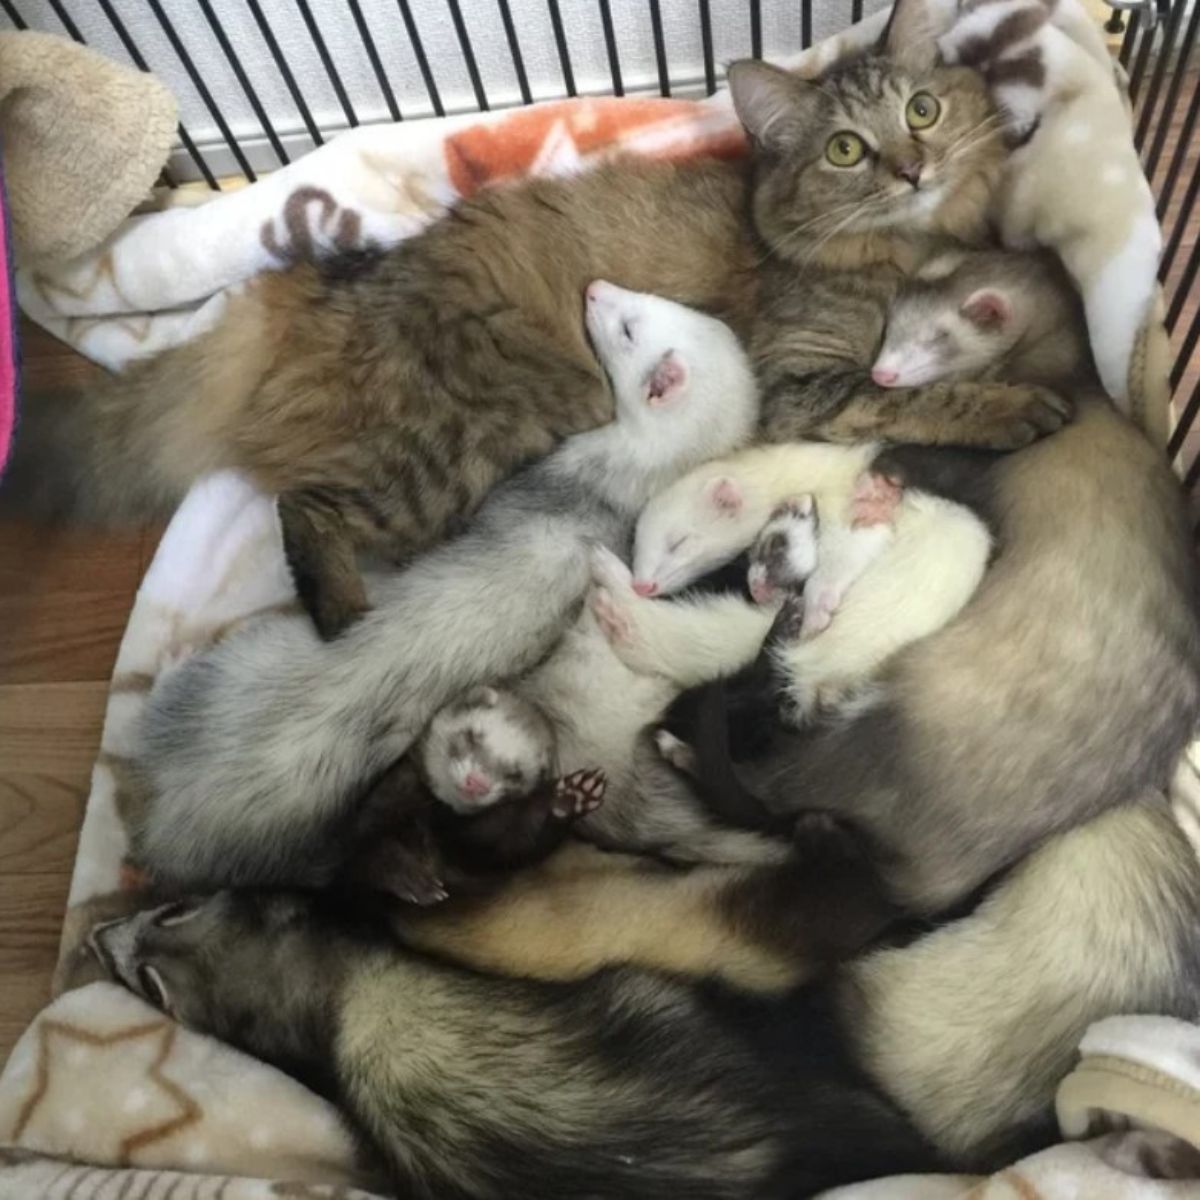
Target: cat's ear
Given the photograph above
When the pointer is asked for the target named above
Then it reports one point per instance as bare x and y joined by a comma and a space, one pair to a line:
772, 104
987, 309
666, 380
725, 495
910, 36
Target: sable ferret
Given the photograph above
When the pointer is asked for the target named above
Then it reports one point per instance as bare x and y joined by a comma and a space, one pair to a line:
476, 797
382, 395
631, 1085
256, 751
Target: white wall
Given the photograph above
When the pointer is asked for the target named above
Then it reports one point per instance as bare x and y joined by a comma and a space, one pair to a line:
631, 18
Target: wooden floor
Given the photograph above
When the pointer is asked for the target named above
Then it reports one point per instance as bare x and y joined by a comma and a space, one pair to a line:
64, 601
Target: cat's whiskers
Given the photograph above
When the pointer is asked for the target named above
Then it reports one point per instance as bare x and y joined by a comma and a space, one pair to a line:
807, 228
869, 205
973, 135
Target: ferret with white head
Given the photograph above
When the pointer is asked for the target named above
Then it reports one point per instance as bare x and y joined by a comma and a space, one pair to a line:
487, 746
256, 749
876, 577
476, 799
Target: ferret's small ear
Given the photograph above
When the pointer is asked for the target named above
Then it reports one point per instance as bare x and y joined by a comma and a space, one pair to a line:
482, 697
726, 496
772, 104
986, 309
666, 380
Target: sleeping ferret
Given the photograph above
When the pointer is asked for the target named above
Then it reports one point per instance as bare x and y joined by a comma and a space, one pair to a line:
896, 568
478, 796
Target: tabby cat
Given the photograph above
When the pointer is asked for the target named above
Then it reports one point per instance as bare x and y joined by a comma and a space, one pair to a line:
381, 396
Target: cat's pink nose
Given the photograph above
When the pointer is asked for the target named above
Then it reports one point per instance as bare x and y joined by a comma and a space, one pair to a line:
475, 784
885, 376
644, 587
910, 172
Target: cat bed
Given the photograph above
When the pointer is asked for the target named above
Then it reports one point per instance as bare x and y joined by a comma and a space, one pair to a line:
84, 138
102, 1079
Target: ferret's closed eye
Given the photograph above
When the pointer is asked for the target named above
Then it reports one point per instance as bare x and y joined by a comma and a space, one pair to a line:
676, 544
627, 331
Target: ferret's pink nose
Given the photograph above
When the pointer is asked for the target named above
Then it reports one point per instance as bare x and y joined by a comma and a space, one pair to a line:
475, 784
885, 376
644, 587
596, 290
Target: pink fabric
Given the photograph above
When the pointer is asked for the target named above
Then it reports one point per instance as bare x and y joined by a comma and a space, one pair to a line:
8, 334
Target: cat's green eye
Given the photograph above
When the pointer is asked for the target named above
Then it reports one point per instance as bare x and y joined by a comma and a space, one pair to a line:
845, 149
923, 111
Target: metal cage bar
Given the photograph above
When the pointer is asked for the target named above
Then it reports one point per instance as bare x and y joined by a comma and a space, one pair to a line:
414, 38
335, 79
364, 33
610, 49
706, 40
468, 53
564, 51
660, 49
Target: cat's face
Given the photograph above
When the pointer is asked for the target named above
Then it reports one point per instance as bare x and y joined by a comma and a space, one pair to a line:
877, 145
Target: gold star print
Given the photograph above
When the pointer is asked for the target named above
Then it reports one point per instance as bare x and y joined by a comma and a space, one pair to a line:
109, 1085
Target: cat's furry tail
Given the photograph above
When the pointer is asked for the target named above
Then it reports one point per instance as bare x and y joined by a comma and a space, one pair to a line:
126, 449
67, 468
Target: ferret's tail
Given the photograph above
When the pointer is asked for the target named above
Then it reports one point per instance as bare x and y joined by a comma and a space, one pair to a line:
127, 449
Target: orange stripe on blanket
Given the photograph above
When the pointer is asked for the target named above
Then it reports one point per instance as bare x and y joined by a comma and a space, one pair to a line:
538, 140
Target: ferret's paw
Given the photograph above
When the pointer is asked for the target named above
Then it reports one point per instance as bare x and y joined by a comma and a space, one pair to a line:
395, 872
789, 621
820, 836
613, 617
608, 571
785, 552
675, 751
819, 610
875, 500
579, 793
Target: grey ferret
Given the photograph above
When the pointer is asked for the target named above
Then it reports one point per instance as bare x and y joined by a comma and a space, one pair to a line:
975, 315
478, 796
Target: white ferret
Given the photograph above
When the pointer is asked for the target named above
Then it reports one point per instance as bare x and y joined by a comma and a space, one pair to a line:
913, 579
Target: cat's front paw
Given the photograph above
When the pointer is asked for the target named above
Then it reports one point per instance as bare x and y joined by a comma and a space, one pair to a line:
1013, 415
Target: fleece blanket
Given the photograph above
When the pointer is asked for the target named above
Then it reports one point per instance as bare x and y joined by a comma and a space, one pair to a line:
99, 1078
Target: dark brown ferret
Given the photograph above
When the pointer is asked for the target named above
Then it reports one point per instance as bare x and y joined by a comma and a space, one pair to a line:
477, 798
381, 396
